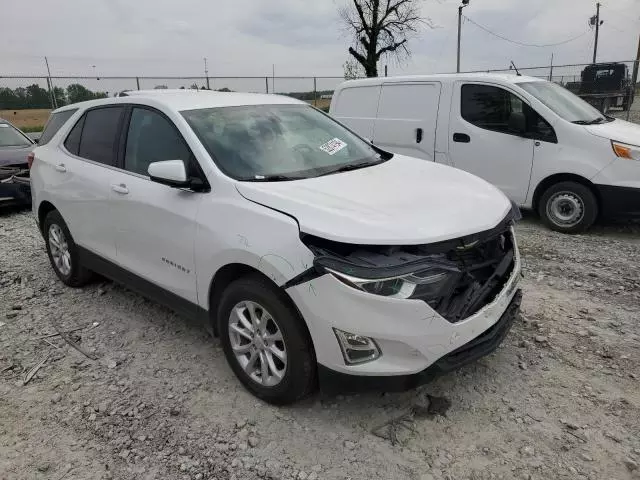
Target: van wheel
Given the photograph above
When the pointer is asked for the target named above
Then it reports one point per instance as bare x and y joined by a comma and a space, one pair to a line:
63, 252
265, 341
568, 207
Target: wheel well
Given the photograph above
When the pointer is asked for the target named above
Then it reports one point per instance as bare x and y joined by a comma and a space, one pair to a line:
44, 208
562, 177
230, 273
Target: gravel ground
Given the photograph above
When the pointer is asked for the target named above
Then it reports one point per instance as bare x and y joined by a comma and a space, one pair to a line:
560, 399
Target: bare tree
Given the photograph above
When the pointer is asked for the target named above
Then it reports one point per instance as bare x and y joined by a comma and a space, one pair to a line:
381, 27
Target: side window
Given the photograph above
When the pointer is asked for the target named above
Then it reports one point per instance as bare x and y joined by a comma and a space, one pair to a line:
538, 128
152, 138
98, 140
489, 107
56, 120
72, 143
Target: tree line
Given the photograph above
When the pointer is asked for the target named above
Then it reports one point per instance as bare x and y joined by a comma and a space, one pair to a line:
34, 96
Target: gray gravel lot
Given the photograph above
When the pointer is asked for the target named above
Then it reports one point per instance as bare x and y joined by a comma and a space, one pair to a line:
560, 398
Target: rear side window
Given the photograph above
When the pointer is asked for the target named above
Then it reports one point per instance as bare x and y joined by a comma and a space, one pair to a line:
152, 138
98, 139
56, 120
72, 143
358, 102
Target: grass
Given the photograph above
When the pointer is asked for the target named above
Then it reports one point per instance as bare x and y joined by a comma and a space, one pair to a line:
30, 120
33, 128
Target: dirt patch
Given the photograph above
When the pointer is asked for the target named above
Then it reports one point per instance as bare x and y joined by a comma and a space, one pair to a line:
559, 399
30, 118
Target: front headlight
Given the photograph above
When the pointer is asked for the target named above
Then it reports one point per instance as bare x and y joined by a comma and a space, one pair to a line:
624, 150
426, 283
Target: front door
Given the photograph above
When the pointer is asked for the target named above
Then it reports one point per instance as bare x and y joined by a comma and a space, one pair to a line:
155, 224
483, 140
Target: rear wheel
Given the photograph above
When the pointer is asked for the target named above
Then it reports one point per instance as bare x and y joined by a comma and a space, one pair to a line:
568, 207
265, 341
63, 252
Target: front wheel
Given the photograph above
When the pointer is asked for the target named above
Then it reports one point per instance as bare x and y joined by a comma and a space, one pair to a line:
265, 341
568, 207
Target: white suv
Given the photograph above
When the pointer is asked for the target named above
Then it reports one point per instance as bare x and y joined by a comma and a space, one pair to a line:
315, 256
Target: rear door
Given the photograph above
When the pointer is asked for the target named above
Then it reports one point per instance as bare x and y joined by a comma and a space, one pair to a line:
482, 140
356, 108
78, 179
155, 224
407, 118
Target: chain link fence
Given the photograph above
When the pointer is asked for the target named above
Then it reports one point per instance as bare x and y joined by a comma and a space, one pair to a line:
605, 85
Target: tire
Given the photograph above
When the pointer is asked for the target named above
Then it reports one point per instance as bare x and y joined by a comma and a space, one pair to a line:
559, 204
298, 375
70, 271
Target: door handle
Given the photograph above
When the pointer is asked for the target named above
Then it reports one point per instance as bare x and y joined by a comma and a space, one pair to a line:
461, 138
61, 168
418, 135
121, 188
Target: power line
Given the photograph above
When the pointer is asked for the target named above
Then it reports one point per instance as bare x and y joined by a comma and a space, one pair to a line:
522, 44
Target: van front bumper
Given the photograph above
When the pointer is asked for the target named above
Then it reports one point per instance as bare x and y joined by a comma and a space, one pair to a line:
485, 343
619, 201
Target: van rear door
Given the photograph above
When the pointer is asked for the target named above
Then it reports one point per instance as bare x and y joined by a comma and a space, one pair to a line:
407, 118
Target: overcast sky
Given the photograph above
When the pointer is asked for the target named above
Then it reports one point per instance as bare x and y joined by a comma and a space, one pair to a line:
301, 37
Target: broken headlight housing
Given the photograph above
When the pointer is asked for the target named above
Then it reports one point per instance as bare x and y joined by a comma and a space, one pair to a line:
425, 283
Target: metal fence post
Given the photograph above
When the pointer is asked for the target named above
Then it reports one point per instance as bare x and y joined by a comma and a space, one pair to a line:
138, 82
315, 92
266, 83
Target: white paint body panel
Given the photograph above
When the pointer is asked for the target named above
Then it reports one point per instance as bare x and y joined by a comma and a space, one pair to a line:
179, 240
516, 165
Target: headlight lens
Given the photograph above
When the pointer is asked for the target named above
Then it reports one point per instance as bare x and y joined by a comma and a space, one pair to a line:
424, 283
624, 150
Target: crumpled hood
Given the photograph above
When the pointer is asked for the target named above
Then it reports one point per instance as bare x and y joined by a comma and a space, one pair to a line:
619, 130
402, 201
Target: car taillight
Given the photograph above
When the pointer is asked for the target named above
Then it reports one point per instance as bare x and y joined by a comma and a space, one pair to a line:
30, 158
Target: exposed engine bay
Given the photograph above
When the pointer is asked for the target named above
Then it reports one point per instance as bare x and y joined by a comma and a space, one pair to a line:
455, 277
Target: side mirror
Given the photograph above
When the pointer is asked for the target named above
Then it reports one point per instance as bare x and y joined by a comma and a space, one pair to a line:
517, 123
169, 172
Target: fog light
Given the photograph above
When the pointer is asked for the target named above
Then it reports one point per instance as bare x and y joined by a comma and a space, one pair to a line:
356, 348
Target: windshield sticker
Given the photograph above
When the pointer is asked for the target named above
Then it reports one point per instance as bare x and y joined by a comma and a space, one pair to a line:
333, 146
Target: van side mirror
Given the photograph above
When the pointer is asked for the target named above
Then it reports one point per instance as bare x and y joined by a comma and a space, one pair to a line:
169, 172
517, 123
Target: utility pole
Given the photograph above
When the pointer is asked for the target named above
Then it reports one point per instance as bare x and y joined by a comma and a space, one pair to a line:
54, 103
595, 20
206, 73
464, 4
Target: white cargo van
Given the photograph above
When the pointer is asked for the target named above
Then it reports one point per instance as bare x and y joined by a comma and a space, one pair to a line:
547, 149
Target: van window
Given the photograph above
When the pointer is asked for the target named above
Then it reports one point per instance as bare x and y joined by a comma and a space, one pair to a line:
56, 120
152, 138
99, 135
489, 107
358, 102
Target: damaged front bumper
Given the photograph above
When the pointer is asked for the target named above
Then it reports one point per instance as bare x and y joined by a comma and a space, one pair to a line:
416, 333
15, 186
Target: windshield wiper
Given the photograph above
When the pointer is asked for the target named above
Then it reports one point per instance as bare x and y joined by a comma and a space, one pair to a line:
589, 122
353, 166
271, 178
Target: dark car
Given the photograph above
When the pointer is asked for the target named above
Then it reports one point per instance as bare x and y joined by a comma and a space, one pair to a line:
15, 146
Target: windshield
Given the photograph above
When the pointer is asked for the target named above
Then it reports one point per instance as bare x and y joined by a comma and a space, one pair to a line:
564, 103
278, 142
10, 137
